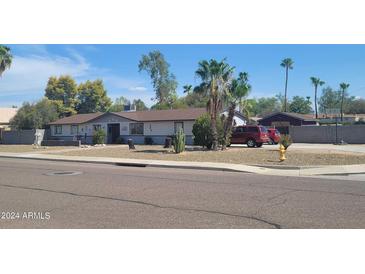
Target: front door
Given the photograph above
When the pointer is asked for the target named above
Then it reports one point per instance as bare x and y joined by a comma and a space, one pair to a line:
113, 133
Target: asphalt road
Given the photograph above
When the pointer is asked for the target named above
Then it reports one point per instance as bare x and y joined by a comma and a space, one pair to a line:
106, 196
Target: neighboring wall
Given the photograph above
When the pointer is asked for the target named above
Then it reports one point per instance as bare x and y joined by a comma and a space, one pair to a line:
24, 137
327, 134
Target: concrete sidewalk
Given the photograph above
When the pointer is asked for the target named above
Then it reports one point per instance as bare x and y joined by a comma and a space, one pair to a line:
276, 171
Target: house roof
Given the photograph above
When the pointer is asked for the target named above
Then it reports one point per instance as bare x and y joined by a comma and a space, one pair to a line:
139, 116
303, 117
6, 114
77, 119
163, 115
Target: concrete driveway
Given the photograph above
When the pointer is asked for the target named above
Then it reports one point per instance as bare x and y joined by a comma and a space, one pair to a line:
319, 147
341, 148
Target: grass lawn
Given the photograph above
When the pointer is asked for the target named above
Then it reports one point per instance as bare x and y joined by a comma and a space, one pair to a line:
237, 155
30, 148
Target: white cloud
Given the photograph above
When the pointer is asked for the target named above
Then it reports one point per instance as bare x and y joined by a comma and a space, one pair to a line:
27, 78
117, 82
138, 89
30, 74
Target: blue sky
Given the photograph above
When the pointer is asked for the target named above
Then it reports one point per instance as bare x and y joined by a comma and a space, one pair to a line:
117, 65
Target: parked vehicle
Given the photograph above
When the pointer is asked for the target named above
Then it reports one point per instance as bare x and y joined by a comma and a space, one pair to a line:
274, 136
250, 135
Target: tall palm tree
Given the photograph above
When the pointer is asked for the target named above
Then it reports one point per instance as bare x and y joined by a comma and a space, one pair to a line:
237, 91
316, 82
343, 89
286, 63
215, 77
5, 59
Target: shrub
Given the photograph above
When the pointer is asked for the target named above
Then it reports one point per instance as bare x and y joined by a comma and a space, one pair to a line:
202, 131
99, 137
120, 140
148, 141
179, 144
286, 141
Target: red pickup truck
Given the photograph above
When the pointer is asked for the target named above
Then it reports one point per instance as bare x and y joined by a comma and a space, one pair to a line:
250, 135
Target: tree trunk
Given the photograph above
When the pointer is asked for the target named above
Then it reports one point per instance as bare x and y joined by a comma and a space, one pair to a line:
228, 125
213, 127
343, 95
286, 89
315, 101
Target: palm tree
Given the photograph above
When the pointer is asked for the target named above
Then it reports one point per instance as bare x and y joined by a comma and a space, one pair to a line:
237, 91
187, 88
316, 82
286, 63
215, 77
5, 59
343, 89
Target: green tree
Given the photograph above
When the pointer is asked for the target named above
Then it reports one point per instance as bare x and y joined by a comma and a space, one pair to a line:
119, 104
175, 103
194, 99
300, 105
164, 82
36, 115
140, 105
343, 88
355, 106
6, 59
63, 92
202, 131
215, 77
286, 63
316, 82
238, 90
263, 106
330, 99
93, 97
281, 100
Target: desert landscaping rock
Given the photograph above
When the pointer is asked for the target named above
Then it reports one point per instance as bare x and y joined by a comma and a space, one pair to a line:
234, 155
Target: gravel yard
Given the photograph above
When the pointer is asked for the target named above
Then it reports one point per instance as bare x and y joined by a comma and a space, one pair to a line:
31, 148
237, 155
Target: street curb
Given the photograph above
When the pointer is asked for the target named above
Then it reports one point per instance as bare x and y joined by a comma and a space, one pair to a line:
249, 169
289, 167
127, 164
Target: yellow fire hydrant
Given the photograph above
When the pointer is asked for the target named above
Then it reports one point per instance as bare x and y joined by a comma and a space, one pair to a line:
282, 152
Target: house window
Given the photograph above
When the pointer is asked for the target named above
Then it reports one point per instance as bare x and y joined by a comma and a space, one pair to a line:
58, 130
97, 127
179, 125
74, 129
136, 128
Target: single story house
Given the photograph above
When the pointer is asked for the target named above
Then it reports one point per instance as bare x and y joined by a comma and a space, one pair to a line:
5, 116
135, 125
282, 120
